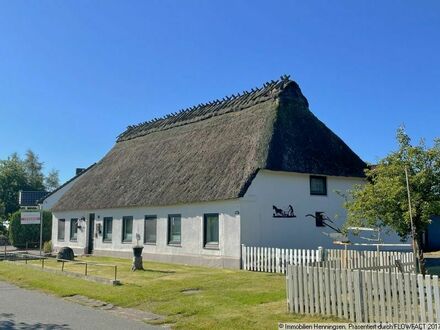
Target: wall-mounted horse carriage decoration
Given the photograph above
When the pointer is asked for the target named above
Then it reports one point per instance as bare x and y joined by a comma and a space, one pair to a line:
280, 213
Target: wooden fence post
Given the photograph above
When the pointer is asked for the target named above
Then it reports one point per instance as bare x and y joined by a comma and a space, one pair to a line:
421, 298
429, 298
243, 257
300, 289
277, 258
288, 289
327, 290
320, 254
436, 299
358, 296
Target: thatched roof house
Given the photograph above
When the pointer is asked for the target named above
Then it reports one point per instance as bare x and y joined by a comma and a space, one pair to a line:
213, 151
195, 185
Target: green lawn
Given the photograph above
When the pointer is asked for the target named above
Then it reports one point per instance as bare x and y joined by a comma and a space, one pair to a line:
227, 299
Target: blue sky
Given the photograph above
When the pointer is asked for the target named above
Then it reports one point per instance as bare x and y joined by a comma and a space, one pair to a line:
74, 74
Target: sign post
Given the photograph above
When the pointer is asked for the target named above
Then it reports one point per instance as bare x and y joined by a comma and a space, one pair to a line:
41, 230
33, 217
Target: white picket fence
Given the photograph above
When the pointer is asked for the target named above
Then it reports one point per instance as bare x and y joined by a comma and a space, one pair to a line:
363, 295
275, 260
370, 260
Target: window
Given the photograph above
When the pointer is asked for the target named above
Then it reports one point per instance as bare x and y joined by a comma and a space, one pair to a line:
174, 229
61, 229
74, 229
127, 229
150, 229
318, 185
108, 229
210, 229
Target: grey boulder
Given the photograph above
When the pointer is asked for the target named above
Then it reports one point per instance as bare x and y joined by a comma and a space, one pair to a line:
65, 253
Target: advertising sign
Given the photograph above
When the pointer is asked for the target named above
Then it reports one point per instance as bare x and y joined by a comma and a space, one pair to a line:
30, 218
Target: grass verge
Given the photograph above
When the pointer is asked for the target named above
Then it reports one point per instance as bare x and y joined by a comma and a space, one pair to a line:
217, 298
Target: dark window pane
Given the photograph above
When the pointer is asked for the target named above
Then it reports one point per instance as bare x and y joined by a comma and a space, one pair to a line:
318, 185
127, 229
108, 229
61, 229
174, 229
73, 229
150, 229
211, 226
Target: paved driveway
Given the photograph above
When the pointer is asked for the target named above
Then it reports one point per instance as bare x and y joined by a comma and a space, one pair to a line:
28, 309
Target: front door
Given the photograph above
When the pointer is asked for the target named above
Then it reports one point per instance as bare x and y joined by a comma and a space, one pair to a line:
91, 232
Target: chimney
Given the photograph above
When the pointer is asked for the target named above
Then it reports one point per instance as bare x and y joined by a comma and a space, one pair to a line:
79, 170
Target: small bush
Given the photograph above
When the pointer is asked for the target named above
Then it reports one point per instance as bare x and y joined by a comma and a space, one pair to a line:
47, 247
3, 240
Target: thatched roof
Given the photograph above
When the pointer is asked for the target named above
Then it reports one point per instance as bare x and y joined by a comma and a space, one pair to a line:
213, 151
79, 173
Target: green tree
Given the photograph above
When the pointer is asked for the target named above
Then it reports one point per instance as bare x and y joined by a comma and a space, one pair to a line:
13, 177
52, 181
17, 174
2, 219
383, 200
34, 170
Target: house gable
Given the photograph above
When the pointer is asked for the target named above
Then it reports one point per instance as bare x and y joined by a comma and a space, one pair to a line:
302, 143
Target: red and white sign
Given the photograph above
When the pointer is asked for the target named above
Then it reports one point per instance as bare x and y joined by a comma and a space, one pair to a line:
30, 218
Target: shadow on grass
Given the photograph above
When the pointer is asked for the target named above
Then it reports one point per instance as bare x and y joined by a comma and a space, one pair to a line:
157, 271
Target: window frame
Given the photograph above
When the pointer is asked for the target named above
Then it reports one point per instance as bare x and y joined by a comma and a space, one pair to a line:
169, 241
63, 239
104, 227
72, 239
150, 217
212, 244
124, 219
317, 193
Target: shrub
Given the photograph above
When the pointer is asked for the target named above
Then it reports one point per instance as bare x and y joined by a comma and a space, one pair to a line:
3, 240
20, 234
3, 229
47, 247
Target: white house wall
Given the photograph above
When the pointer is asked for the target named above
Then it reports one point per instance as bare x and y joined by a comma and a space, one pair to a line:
248, 220
192, 249
269, 188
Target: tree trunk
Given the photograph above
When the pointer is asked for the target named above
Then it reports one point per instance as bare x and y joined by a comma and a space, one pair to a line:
419, 253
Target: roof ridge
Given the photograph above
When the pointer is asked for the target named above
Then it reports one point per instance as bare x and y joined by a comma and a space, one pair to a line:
202, 111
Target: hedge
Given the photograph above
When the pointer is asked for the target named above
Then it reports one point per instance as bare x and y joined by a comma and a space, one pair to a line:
20, 234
